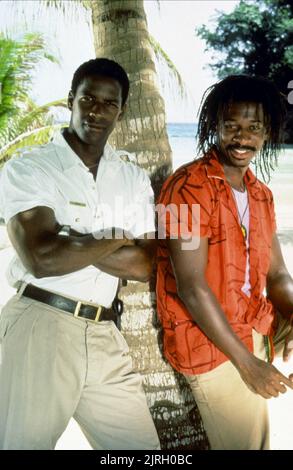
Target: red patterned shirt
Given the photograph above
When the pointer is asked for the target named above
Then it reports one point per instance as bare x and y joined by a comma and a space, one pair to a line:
203, 182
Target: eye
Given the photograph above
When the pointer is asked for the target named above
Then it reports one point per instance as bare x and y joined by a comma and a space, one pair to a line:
111, 103
86, 99
228, 126
255, 128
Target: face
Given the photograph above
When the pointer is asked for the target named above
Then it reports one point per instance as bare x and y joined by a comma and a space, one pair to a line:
96, 107
241, 133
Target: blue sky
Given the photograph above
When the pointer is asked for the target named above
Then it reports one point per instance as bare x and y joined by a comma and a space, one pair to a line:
70, 39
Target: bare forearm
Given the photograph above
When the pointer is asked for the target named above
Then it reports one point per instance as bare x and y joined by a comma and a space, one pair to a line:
129, 262
261, 377
189, 270
280, 292
60, 255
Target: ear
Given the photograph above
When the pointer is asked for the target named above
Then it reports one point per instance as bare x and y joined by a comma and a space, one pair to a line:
122, 112
70, 100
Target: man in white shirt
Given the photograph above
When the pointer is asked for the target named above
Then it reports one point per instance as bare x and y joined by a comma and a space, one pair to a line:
79, 219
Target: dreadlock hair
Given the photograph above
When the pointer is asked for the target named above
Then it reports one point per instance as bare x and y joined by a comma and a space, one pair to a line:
105, 68
243, 88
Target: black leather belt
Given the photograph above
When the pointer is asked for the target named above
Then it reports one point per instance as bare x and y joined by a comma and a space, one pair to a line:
76, 308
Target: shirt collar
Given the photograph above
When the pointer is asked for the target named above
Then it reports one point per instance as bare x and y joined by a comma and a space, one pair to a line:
215, 169
69, 159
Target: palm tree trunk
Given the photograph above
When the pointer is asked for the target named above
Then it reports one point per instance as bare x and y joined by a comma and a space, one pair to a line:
120, 33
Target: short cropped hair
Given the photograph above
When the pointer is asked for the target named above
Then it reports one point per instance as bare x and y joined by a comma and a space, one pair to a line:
104, 67
243, 88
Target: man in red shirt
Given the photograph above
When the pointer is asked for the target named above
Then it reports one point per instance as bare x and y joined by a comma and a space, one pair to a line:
218, 324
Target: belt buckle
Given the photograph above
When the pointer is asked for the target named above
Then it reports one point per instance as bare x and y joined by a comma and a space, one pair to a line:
77, 309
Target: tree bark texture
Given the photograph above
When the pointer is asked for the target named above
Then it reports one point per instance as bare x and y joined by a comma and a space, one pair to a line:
121, 34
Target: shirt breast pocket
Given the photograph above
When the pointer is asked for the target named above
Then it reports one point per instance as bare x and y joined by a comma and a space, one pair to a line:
79, 217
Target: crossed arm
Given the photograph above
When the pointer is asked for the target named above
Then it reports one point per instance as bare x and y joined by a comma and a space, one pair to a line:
34, 235
189, 267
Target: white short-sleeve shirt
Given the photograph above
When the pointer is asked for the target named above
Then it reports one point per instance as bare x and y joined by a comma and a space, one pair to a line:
54, 176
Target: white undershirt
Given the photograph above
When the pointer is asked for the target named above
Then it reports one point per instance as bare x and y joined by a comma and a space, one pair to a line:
242, 202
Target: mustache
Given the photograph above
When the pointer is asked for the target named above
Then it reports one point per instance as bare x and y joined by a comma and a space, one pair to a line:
241, 147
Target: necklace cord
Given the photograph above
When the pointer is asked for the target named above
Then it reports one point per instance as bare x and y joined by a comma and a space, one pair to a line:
242, 226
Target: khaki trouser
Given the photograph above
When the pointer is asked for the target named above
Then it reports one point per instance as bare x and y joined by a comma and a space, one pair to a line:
55, 366
234, 417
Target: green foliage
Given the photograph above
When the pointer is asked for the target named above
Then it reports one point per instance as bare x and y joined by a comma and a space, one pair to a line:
19, 115
31, 138
17, 60
256, 38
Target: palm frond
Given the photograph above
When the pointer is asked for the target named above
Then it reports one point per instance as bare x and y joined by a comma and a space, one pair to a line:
32, 138
26, 12
39, 112
69, 8
163, 58
64, 6
37, 117
17, 61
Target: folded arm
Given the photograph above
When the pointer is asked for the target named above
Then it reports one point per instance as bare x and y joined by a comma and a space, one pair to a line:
34, 235
131, 262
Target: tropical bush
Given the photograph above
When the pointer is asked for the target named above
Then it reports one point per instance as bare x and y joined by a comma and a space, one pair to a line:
22, 122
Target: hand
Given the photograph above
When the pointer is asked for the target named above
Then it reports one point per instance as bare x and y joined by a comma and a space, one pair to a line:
74, 233
288, 347
263, 378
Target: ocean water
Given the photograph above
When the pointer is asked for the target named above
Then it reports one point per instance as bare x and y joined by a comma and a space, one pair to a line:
183, 144
182, 141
